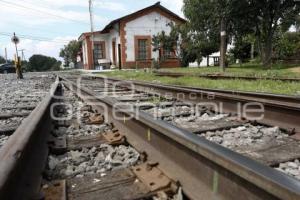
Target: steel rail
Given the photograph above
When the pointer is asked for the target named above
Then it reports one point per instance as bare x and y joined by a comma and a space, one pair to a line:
204, 169
259, 95
219, 76
279, 110
23, 157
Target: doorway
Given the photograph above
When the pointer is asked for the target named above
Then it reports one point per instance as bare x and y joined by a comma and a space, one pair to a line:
114, 51
119, 56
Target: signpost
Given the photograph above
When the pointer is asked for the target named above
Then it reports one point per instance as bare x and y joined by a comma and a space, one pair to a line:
16, 41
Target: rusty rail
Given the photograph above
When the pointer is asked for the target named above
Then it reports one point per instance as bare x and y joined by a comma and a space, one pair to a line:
279, 110
24, 155
220, 76
205, 170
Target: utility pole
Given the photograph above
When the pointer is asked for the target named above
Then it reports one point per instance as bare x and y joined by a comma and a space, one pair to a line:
92, 30
223, 47
23, 54
5, 55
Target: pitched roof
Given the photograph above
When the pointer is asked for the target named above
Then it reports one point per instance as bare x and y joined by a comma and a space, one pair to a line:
135, 14
88, 34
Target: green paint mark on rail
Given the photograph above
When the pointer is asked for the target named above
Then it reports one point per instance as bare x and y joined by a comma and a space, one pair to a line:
215, 182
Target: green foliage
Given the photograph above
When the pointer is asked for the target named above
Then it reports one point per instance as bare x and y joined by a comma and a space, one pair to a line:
188, 46
162, 41
287, 45
41, 63
70, 51
205, 17
177, 41
268, 17
2, 60
297, 23
241, 49
203, 44
260, 18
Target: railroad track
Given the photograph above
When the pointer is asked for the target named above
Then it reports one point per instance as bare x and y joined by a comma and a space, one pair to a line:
107, 150
219, 76
251, 138
18, 98
281, 110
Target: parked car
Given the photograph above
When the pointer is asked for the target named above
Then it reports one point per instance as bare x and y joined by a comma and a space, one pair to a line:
7, 68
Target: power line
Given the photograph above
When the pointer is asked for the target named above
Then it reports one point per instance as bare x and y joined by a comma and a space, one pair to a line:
21, 27
36, 38
23, 54
40, 11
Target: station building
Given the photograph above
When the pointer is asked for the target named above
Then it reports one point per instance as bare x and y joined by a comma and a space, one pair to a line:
126, 42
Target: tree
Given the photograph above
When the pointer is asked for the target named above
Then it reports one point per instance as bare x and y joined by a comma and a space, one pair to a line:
268, 16
2, 60
297, 24
189, 46
70, 51
42, 63
211, 17
244, 48
171, 42
206, 44
287, 45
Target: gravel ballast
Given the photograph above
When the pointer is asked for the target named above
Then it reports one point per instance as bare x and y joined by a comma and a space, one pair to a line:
243, 136
85, 161
291, 168
19, 97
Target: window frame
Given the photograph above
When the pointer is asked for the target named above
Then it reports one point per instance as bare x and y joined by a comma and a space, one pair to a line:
101, 49
171, 54
142, 49
148, 47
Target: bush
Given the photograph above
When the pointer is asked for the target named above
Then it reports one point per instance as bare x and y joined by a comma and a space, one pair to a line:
41, 63
287, 45
241, 51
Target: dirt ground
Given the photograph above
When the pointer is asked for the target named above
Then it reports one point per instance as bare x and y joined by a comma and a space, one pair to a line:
295, 69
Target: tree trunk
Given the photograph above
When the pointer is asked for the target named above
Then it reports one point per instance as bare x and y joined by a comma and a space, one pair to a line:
252, 50
267, 52
207, 59
223, 45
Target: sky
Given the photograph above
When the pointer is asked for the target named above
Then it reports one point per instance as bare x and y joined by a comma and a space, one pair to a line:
45, 26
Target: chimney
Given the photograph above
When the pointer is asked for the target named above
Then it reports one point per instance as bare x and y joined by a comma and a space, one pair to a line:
158, 3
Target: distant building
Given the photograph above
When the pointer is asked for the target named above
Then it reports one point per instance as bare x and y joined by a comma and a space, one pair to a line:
213, 60
127, 42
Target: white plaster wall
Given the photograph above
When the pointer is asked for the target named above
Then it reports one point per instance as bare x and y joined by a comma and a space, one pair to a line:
114, 33
105, 38
84, 51
150, 24
108, 38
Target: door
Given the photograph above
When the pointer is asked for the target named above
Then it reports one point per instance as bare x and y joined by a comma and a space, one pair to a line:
114, 52
119, 56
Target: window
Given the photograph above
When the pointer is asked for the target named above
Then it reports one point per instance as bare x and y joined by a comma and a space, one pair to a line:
142, 49
168, 54
99, 52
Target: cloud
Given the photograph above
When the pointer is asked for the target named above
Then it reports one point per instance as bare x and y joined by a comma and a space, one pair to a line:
174, 5
49, 48
27, 13
15, 18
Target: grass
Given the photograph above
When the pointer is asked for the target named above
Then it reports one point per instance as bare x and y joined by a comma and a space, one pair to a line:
248, 69
265, 86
